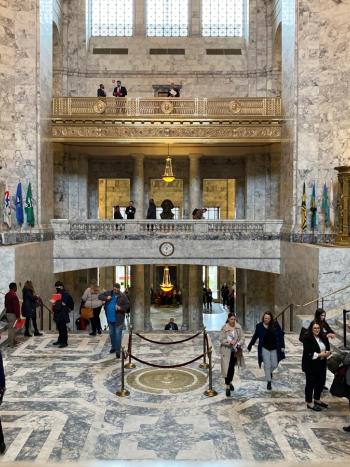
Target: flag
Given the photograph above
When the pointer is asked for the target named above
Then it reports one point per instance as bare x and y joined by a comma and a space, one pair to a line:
29, 207
325, 205
19, 204
331, 205
7, 208
313, 208
303, 211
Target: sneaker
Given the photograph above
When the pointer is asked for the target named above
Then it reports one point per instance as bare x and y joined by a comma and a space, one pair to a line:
346, 428
56, 343
62, 346
316, 408
100, 331
232, 387
2, 448
228, 392
117, 355
38, 333
269, 386
112, 350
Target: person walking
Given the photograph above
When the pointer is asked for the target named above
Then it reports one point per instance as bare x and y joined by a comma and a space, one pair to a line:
2, 392
231, 345
209, 300
116, 305
204, 297
13, 312
90, 299
30, 302
316, 350
224, 294
61, 310
271, 345
152, 210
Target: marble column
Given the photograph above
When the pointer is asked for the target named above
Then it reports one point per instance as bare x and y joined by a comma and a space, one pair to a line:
240, 201
195, 190
147, 288
107, 277
138, 186
184, 297
195, 304
138, 297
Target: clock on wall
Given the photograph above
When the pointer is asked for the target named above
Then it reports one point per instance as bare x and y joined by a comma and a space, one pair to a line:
166, 249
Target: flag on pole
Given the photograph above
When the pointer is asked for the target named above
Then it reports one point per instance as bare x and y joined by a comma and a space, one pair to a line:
19, 204
325, 205
313, 208
7, 214
331, 205
303, 211
29, 206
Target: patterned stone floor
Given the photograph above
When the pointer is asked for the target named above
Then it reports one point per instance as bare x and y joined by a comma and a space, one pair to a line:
60, 406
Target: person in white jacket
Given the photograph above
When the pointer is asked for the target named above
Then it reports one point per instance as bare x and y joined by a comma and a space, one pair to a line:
90, 299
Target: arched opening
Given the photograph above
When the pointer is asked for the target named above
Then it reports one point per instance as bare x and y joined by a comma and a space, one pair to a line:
57, 62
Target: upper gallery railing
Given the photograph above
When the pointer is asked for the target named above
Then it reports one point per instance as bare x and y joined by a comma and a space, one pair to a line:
171, 107
99, 229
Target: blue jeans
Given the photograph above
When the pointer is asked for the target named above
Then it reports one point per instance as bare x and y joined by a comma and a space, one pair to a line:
115, 334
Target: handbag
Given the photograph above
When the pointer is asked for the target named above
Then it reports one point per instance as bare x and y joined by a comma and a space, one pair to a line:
86, 313
338, 388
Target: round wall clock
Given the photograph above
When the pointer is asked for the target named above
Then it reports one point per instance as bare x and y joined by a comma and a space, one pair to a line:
166, 249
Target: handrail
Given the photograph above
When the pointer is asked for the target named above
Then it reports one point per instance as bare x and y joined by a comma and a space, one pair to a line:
291, 306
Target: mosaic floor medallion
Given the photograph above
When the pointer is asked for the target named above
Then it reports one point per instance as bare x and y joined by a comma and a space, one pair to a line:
163, 381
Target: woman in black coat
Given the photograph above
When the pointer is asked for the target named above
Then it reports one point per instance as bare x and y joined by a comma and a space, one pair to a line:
29, 304
152, 210
314, 365
271, 345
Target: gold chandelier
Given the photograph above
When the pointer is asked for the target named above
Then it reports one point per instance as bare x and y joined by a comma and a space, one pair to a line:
168, 172
166, 285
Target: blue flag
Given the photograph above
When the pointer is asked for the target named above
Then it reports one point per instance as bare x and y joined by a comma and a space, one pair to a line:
19, 204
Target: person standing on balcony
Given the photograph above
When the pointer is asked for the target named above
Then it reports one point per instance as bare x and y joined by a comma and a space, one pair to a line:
173, 91
101, 91
271, 345
119, 90
116, 305
152, 210
130, 211
231, 345
13, 312
117, 214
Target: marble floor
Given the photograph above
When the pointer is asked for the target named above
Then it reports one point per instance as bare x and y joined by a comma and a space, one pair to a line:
60, 406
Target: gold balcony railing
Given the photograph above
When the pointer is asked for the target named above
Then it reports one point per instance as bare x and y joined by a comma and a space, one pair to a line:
152, 107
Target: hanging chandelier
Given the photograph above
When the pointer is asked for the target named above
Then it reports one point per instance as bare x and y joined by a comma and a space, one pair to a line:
166, 285
168, 172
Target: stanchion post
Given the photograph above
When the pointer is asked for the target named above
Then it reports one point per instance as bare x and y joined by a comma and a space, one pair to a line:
50, 320
41, 316
204, 364
345, 312
130, 364
123, 392
210, 392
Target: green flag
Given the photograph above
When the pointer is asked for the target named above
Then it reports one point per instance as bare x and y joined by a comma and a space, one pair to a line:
29, 207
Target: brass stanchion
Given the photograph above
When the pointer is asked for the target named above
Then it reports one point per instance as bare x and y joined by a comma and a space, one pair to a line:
130, 364
204, 364
123, 392
210, 392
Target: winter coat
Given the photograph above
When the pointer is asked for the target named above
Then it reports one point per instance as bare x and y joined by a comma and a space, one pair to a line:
310, 346
62, 308
225, 348
90, 299
152, 211
259, 333
121, 300
29, 303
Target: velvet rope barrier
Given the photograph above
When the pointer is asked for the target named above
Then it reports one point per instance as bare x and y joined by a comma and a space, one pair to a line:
166, 366
168, 343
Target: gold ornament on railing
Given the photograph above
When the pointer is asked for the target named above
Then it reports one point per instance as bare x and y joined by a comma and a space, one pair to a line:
343, 203
166, 285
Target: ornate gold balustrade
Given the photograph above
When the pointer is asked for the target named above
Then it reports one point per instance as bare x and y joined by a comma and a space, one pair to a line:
135, 119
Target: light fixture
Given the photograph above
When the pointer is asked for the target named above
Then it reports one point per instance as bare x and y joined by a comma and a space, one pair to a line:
166, 285
168, 172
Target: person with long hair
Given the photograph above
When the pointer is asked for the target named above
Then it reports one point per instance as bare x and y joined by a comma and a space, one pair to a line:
90, 299
30, 302
320, 317
316, 350
231, 345
270, 347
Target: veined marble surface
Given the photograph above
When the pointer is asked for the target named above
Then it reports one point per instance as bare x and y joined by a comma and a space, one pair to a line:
60, 406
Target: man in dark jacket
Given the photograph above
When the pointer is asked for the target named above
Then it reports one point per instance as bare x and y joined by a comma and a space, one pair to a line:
116, 305
101, 91
13, 311
61, 309
2, 392
171, 326
130, 211
119, 90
